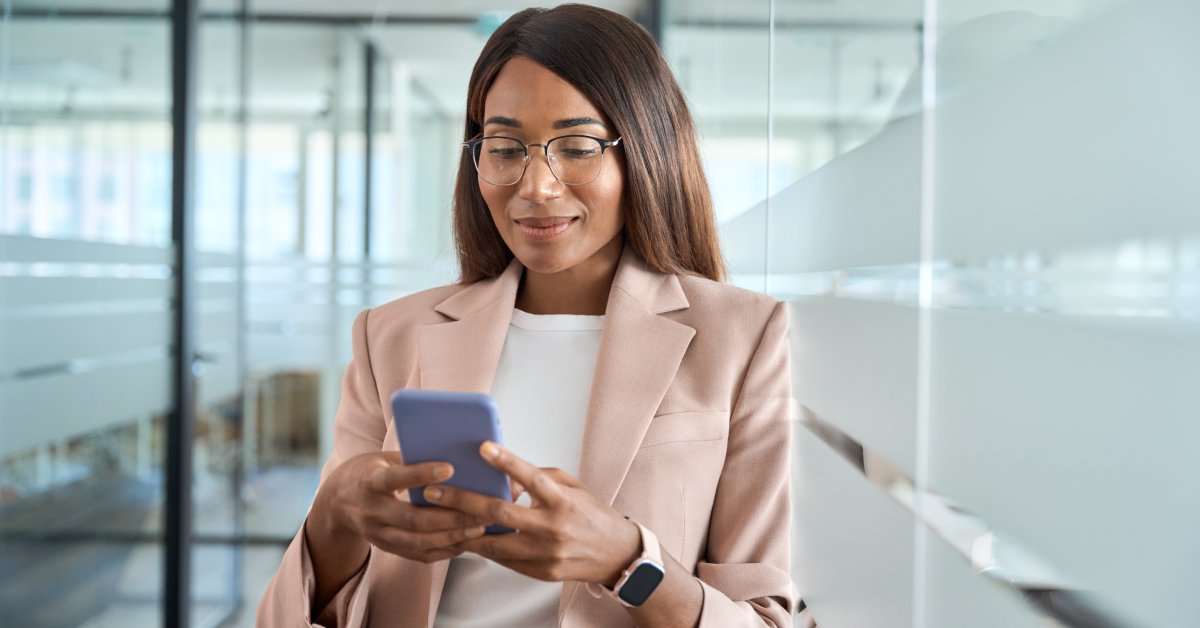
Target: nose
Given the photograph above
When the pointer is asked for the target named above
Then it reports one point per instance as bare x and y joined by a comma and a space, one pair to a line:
539, 183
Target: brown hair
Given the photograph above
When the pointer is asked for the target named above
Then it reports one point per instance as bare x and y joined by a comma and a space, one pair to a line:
616, 65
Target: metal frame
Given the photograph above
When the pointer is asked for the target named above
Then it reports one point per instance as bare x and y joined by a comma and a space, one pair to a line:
370, 57
177, 471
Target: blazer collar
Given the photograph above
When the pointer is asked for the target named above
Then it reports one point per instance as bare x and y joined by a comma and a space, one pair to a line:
659, 293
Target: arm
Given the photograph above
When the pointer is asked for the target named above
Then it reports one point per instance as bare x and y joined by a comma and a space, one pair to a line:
745, 573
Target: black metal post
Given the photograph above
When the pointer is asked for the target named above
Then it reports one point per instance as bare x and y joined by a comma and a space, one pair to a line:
177, 474
371, 56
651, 18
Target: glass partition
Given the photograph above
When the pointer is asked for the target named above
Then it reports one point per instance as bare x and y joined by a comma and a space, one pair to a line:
980, 215
86, 302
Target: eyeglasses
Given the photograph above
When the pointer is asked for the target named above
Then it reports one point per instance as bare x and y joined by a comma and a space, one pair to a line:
574, 159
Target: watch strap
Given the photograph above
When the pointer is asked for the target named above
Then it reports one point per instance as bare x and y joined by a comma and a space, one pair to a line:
649, 559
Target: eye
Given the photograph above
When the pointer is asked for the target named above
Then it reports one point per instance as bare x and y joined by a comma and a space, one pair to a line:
578, 147
505, 153
580, 153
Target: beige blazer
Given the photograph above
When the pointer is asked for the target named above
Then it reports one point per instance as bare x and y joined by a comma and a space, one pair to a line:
688, 431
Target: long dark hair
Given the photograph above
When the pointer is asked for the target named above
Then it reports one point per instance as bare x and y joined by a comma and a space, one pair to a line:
616, 65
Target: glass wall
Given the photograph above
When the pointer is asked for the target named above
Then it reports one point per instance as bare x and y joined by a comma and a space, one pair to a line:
86, 311
981, 216
292, 240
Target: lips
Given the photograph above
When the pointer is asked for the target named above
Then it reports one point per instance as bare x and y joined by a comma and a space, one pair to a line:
541, 228
544, 221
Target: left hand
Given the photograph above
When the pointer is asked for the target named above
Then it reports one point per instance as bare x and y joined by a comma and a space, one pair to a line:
568, 534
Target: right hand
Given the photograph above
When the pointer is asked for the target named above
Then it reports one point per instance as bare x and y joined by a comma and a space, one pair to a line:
362, 496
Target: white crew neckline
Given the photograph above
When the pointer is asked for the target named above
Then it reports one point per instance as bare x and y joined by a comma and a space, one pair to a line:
556, 322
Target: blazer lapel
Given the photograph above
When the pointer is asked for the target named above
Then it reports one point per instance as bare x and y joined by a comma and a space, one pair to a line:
640, 352
462, 355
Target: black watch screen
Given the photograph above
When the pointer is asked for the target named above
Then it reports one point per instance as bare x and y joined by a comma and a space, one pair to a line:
641, 583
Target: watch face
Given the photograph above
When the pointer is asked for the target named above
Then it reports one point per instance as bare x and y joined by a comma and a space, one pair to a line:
641, 583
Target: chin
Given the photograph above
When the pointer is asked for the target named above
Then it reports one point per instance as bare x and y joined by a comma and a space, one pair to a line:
544, 262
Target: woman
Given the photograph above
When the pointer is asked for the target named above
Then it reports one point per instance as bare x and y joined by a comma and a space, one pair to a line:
647, 405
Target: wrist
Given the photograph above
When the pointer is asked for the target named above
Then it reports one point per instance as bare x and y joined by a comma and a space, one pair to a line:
631, 542
323, 520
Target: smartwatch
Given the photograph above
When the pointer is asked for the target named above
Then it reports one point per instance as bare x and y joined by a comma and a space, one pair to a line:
643, 576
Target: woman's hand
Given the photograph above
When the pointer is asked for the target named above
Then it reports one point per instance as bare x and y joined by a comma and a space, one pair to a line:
362, 497
569, 534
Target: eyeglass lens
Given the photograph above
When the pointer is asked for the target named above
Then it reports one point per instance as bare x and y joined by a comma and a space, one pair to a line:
574, 159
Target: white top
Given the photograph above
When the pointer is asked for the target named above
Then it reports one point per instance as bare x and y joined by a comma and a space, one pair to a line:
541, 389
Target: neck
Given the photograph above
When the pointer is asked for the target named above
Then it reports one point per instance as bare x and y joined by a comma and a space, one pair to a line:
581, 289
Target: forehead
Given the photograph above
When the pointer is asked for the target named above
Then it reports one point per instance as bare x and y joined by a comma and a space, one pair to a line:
527, 91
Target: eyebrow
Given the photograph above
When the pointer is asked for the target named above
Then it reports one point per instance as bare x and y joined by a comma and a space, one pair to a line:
501, 120
570, 122
561, 124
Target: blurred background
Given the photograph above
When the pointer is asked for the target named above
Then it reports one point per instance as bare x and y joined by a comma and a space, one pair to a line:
983, 213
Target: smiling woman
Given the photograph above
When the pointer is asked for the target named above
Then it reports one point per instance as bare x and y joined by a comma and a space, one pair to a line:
645, 405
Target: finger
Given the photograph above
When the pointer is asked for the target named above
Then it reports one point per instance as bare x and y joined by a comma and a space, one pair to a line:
562, 477
516, 489
431, 519
536, 481
391, 478
502, 547
485, 507
404, 542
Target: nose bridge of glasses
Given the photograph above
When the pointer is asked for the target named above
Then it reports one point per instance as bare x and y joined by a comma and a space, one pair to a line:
545, 150
550, 158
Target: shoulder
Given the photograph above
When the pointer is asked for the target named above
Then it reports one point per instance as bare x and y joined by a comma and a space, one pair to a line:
407, 313
728, 318
718, 301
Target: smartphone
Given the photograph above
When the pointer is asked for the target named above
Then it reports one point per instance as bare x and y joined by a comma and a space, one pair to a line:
437, 426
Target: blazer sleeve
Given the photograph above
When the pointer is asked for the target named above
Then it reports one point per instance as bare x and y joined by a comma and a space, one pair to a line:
358, 428
745, 574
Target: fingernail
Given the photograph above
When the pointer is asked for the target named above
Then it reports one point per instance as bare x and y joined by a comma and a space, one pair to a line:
489, 450
443, 472
476, 531
433, 492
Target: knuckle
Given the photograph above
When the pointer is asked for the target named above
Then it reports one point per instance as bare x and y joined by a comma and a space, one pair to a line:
375, 482
498, 511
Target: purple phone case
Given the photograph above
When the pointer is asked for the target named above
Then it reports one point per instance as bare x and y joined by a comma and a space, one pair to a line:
437, 426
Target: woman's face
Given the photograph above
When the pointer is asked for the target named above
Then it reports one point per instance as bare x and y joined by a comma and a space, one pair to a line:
551, 227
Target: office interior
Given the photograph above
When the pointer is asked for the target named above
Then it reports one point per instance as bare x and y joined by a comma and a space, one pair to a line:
982, 213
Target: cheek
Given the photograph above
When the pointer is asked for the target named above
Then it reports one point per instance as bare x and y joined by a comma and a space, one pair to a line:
610, 202
495, 199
